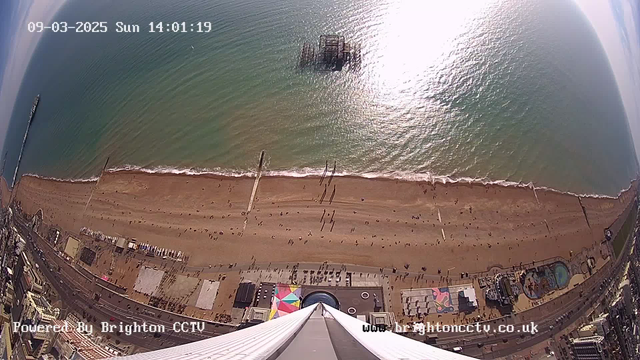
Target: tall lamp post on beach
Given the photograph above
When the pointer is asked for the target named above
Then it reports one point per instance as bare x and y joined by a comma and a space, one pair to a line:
448, 271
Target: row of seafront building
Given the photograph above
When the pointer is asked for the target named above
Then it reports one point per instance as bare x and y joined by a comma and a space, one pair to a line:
612, 330
24, 300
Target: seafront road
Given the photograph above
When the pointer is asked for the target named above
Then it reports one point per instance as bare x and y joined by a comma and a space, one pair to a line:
78, 293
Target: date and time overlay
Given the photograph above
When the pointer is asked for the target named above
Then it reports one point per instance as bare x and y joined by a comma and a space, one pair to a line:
120, 27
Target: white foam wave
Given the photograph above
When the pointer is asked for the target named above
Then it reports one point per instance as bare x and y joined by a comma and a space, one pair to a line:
428, 177
183, 171
315, 172
79, 180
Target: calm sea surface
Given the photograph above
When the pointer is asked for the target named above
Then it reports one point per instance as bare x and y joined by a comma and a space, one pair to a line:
515, 90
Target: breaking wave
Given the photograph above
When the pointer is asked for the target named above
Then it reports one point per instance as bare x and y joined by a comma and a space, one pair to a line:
81, 180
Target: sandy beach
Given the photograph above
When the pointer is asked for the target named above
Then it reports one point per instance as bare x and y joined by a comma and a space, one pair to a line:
376, 222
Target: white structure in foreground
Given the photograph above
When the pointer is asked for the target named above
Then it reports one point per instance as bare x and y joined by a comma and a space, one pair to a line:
318, 332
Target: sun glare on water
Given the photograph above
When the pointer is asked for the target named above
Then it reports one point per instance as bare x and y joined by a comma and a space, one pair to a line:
413, 38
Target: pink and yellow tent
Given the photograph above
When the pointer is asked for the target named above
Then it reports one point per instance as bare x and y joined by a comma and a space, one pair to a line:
285, 300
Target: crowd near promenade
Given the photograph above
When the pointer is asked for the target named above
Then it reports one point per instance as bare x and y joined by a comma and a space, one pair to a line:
393, 234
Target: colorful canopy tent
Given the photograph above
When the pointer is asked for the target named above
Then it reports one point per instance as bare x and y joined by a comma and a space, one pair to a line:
285, 300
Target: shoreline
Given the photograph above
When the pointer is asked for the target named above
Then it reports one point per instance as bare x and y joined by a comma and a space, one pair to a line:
309, 173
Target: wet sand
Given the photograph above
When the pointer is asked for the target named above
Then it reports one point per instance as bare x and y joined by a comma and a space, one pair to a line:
375, 222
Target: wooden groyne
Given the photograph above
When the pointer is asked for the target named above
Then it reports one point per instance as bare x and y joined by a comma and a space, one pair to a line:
254, 190
255, 183
104, 168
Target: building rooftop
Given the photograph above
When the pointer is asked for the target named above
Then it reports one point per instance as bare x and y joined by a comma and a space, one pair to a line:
587, 330
245, 293
588, 339
257, 314
84, 346
41, 304
623, 283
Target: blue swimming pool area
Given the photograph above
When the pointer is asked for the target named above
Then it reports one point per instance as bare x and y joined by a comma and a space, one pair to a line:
543, 279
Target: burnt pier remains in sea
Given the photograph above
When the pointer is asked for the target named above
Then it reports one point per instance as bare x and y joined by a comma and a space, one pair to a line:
332, 54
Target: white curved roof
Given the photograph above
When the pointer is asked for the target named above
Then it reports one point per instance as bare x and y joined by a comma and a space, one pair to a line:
270, 340
388, 345
257, 342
